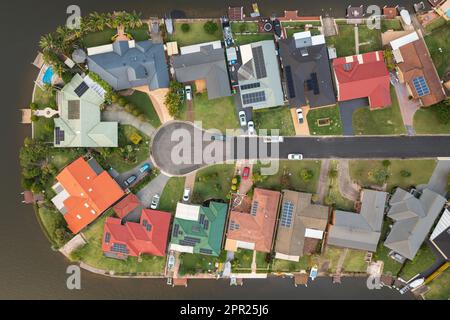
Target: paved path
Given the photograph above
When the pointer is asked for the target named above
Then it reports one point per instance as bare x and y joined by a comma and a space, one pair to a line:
438, 180
189, 182
347, 187
156, 186
356, 39
407, 107
117, 113
322, 186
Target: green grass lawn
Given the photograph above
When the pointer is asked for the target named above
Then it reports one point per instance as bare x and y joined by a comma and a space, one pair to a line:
439, 287
242, 261
426, 121
43, 97
213, 182
331, 113
334, 197
241, 27
92, 254
43, 129
436, 24
364, 172
141, 33
246, 39
300, 24
191, 264
195, 35
173, 192
344, 42
99, 38
143, 103
61, 157
332, 255
439, 38
370, 36
288, 176
354, 261
390, 265
51, 221
279, 265
391, 24
422, 261
379, 122
274, 118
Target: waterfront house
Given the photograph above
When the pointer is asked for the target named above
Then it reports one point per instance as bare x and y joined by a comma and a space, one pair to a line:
414, 215
259, 76
128, 64
363, 76
440, 237
254, 230
205, 64
149, 236
129, 208
361, 230
416, 69
301, 226
83, 192
307, 71
79, 123
199, 229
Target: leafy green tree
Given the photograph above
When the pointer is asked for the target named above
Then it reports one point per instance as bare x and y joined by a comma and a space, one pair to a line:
174, 98
306, 174
185, 27
210, 27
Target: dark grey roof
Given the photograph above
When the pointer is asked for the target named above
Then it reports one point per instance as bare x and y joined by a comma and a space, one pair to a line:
304, 59
208, 64
124, 67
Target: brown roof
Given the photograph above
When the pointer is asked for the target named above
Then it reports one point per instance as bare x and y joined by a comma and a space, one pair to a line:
258, 225
236, 13
390, 12
417, 62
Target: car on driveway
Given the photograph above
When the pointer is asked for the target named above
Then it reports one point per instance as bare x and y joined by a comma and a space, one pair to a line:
129, 180
145, 168
242, 118
245, 173
188, 91
155, 202
251, 128
186, 194
299, 112
295, 156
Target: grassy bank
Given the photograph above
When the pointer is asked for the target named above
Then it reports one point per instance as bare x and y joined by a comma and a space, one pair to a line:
143, 103
213, 183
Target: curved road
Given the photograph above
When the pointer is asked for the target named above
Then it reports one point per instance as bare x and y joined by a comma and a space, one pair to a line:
179, 148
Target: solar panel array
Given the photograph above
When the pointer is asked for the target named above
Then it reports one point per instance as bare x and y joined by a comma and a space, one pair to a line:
59, 135
250, 86
290, 82
286, 214
107, 237
313, 84
254, 208
421, 86
81, 89
120, 248
254, 97
260, 65
234, 225
190, 241
205, 251
176, 228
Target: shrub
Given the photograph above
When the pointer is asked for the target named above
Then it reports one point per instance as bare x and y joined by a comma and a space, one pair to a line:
405, 173
174, 98
386, 163
306, 174
34, 106
243, 27
443, 112
185, 27
122, 102
381, 176
210, 27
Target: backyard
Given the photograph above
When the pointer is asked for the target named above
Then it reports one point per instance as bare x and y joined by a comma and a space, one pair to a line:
439, 287
241, 27
54, 225
437, 43
331, 118
391, 24
353, 262
140, 34
43, 127
344, 42
173, 192
143, 103
243, 258
274, 118
196, 34
428, 121
334, 197
199, 263
369, 39
422, 261
99, 38
279, 265
213, 183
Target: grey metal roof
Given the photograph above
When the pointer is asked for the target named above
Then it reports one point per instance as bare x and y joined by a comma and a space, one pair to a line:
208, 64
414, 218
124, 67
304, 59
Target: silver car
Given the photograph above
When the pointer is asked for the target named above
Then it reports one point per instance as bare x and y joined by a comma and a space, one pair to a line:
251, 128
155, 202
295, 156
242, 118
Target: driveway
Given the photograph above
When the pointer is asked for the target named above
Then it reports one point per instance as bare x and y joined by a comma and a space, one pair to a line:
156, 186
118, 114
407, 107
346, 109
300, 129
439, 178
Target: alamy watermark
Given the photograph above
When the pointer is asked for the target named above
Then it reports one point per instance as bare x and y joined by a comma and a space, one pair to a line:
73, 281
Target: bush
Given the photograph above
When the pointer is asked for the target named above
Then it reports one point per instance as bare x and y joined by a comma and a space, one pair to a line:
122, 102
243, 27
443, 112
210, 27
185, 27
386, 163
381, 176
174, 98
405, 173
306, 174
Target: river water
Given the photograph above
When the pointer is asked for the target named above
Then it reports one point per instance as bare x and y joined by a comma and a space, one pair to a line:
29, 269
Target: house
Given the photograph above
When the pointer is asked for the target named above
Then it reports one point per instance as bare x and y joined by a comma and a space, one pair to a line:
416, 69
360, 231
307, 71
129, 64
129, 208
205, 64
363, 76
149, 236
254, 230
443, 9
79, 123
259, 76
199, 229
413, 218
440, 237
301, 227
83, 192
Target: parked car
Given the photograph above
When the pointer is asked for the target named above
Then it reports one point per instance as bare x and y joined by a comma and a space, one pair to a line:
155, 202
218, 137
251, 128
295, 156
245, 173
188, 91
129, 180
299, 112
171, 261
145, 168
242, 118
186, 194
273, 139
393, 78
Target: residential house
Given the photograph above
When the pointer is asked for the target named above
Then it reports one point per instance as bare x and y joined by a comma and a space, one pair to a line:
414, 217
149, 236
79, 123
254, 230
129, 64
416, 69
362, 230
259, 76
301, 226
307, 71
363, 76
83, 192
204, 63
199, 229
440, 237
443, 10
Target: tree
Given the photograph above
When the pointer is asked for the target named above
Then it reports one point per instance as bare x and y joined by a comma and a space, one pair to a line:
174, 98
210, 27
381, 176
185, 27
306, 174
442, 110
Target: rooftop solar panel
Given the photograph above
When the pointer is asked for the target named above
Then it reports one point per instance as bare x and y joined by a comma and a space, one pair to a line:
260, 65
81, 89
254, 97
176, 228
421, 86
290, 82
286, 214
107, 237
250, 86
254, 208
120, 248
59, 135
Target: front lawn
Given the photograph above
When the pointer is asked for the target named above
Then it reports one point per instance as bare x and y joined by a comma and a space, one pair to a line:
330, 115
279, 265
196, 34
54, 226
143, 103
242, 39
344, 42
369, 39
427, 121
440, 287
423, 260
191, 264
354, 261
384, 121
274, 118
332, 255
213, 182
99, 38
290, 175
391, 24
334, 197
242, 261
173, 192
437, 41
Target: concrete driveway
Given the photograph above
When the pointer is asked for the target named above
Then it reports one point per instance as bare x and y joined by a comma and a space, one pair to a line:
156, 186
407, 107
346, 109
300, 129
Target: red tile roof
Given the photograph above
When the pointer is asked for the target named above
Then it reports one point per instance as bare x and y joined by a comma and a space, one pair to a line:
137, 238
126, 205
364, 75
390, 12
89, 194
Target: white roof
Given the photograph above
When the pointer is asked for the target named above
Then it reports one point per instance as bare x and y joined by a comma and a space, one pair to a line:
319, 39
95, 86
443, 224
180, 248
245, 245
59, 199
187, 211
312, 233
196, 47
100, 49
246, 53
405, 16
400, 42
69, 62
301, 35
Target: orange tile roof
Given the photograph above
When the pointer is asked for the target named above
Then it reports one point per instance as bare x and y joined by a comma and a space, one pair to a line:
89, 194
126, 205
259, 228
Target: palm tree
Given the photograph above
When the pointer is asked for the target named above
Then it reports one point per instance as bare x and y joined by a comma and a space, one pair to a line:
47, 42
134, 20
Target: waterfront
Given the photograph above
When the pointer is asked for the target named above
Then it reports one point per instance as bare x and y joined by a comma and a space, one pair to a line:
28, 267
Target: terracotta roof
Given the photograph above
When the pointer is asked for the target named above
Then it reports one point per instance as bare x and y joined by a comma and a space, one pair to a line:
257, 228
390, 12
127, 205
364, 75
89, 194
149, 236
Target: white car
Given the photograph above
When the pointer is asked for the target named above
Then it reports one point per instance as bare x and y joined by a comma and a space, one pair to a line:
299, 112
295, 156
242, 118
188, 91
186, 194
251, 128
155, 202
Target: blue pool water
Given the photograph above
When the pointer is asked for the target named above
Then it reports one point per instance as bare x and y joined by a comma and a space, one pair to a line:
48, 75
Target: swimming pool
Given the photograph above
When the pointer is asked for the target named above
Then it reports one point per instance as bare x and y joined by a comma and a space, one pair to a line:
48, 75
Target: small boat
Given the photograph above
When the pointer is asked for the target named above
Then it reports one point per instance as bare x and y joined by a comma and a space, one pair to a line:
405, 16
313, 273
169, 25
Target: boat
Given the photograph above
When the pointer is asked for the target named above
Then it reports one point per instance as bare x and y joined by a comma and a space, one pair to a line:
255, 12
313, 273
169, 25
405, 16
